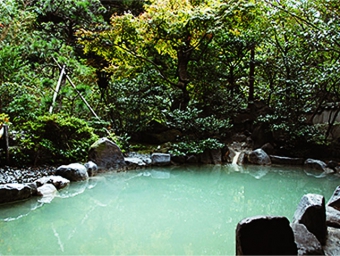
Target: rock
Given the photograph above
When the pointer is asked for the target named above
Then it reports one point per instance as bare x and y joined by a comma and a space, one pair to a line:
306, 242
211, 156
337, 169
258, 156
242, 159
14, 192
317, 165
332, 164
332, 246
239, 137
27, 175
73, 172
178, 159
311, 212
332, 217
268, 148
334, 201
91, 168
106, 154
134, 161
57, 181
48, 192
286, 160
265, 235
216, 156
160, 158
192, 159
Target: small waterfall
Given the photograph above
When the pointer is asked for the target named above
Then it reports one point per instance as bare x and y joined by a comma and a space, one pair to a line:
235, 159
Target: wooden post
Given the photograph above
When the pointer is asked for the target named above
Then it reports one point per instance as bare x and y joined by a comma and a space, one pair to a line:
55, 94
84, 100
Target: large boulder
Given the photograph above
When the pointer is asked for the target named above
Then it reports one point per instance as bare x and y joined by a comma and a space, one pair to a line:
283, 160
311, 212
332, 246
306, 242
57, 181
332, 217
265, 235
161, 159
334, 201
73, 172
14, 192
259, 156
317, 165
106, 154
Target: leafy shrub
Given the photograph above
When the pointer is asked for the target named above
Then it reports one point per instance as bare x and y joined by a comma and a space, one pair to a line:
4, 119
294, 134
194, 147
54, 139
190, 121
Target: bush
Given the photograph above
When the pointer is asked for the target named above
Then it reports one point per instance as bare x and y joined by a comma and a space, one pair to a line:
190, 121
53, 139
194, 147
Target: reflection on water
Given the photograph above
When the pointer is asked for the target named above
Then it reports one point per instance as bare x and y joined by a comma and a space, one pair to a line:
172, 210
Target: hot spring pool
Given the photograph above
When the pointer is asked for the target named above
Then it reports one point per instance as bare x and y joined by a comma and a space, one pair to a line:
171, 210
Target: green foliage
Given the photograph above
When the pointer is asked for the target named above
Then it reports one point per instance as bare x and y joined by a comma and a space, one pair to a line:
54, 139
293, 134
190, 121
185, 64
194, 147
4, 119
132, 103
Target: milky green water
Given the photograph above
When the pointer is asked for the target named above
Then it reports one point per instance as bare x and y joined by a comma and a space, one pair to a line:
163, 211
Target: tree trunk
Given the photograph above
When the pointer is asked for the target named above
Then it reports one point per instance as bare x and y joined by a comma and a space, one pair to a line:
183, 56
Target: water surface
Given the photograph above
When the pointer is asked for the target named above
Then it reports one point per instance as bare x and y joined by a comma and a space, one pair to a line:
163, 211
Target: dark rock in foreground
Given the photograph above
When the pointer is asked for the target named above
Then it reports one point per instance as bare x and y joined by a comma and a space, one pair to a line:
265, 235
306, 242
332, 246
334, 201
332, 217
15, 192
311, 212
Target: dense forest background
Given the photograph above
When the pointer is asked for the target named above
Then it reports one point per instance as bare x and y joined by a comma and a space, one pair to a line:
196, 71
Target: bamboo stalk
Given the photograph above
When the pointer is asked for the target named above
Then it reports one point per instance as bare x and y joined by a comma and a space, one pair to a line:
55, 94
83, 99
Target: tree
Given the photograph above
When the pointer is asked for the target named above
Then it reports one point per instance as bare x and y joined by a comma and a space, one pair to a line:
168, 36
300, 54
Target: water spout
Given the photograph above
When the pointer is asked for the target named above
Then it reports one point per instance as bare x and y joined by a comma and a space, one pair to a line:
235, 159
